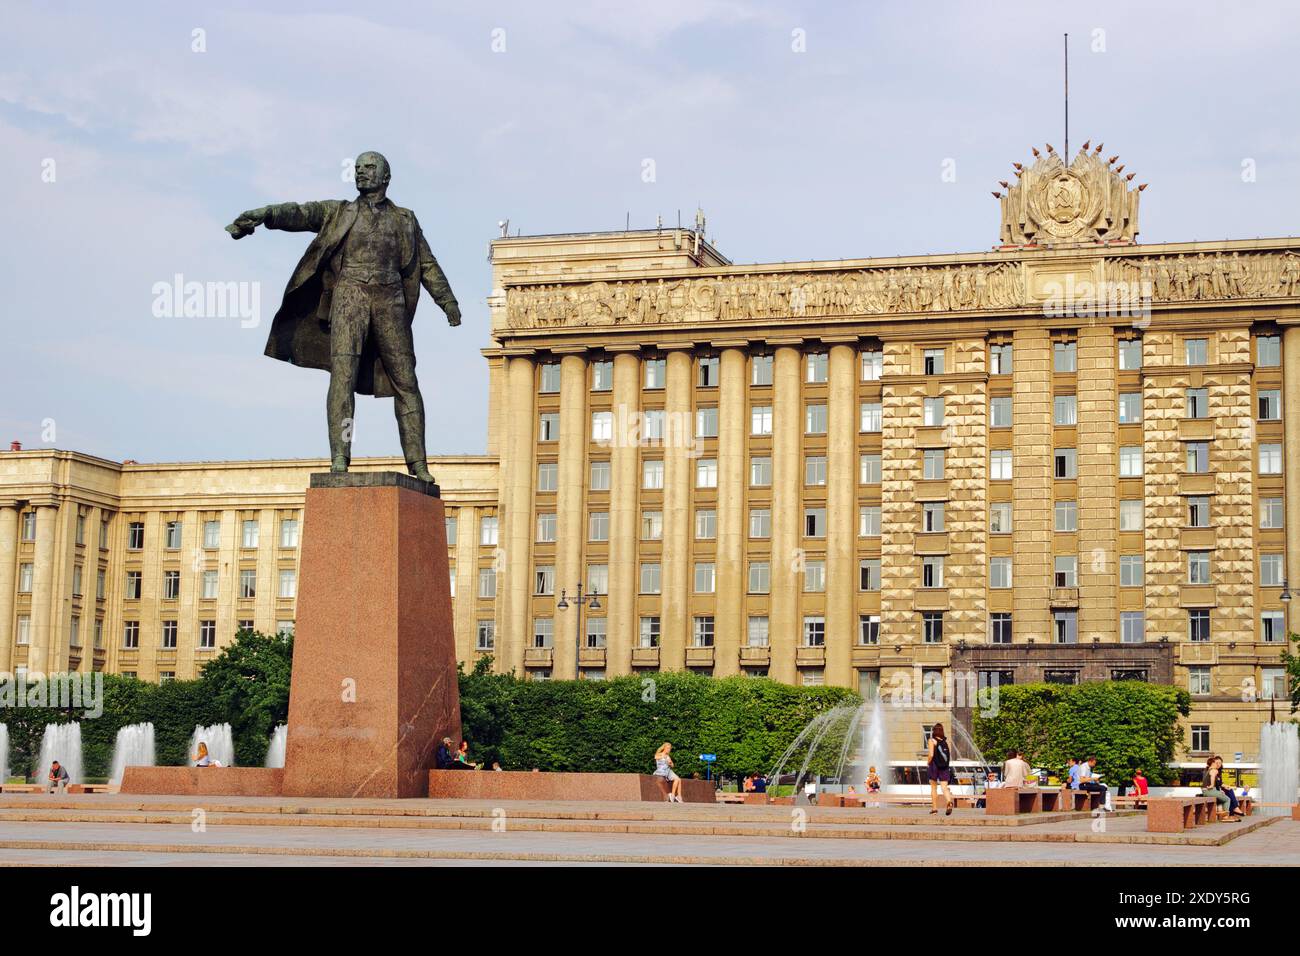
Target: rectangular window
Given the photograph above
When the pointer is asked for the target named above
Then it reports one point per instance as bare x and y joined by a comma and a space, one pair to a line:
1131, 570
1198, 680
1269, 401
598, 526
1066, 571
1130, 355
251, 532
207, 635
1198, 625
1268, 351
869, 521
869, 470
814, 576
1130, 514
814, 472
169, 632
288, 583
814, 631
1064, 357
247, 583
209, 585
103, 533
602, 427
932, 513
708, 366
1067, 516
932, 361
1270, 459
648, 632
548, 426
1273, 683
656, 373
1132, 627
1272, 627
652, 525
760, 523
600, 471
1198, 457
133, 581
543, 632
1000, 628
652, 474
549, 377
932, 412
1198, 567
1270, 513
1000, 517
1197, 402
650, 578
706, 524
1000, 412
24, 635
485, 635
172, 536
1198, 511
131, 635
289, 533
706, 421
1000, 465
1000, 573
702, 633
171, 585
1130, 408
602, 376
1200, 738
548, 479
932, 627
814, 522
869, 574
487, 531
932, 464
544, 579
134, 532
1000, 359
816, 367
547, 523
873, 365
1065, 410
1130, 461
1065, 463
1065, 627
760, 420
596, 631
868, 629
101, 584
26, 574
814, 419
870, 417
1270, 570
487, 582
760, 471
932, 571
762, 370
760, 577
652, 424
1195, 351
706, 473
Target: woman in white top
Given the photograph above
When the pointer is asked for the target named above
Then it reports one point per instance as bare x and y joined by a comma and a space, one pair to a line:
664, 769
201, 759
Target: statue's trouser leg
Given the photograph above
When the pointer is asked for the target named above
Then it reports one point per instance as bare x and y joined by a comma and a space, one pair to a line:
349, 320
396, 348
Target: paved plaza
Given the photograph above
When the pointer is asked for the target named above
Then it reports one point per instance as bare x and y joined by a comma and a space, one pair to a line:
110, 830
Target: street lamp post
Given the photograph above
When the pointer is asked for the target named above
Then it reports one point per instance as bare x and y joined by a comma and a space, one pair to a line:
1286, 610
579, 600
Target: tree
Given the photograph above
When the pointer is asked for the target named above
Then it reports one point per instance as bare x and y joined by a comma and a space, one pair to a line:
1292, 662
248, 682
1125, 724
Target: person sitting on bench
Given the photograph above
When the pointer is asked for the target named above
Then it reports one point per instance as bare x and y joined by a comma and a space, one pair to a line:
1140, 788
1212, 786
445, 758
1090, 783
58, 779
1015, 771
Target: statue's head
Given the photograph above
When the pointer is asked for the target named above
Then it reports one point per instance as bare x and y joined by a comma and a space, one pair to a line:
372, 172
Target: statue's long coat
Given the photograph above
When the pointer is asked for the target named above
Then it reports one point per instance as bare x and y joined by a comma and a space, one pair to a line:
300, 331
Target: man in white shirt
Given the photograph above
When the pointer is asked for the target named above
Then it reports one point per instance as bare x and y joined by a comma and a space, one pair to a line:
1015, 771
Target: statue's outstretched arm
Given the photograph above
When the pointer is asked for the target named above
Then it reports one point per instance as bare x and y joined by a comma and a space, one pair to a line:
287, 216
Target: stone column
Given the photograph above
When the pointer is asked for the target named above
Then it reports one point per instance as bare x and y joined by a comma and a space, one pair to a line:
841, 522
679, 479
730, 624
8, 573
1291, 461
465, 602
571, 521
515, 524
40, 653
1098, 512
1031, 522
787, 492
624, 487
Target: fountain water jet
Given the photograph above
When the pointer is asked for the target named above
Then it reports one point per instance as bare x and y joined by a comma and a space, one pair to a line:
62, 742
1279, 767
275, 752
134, 747
4, 753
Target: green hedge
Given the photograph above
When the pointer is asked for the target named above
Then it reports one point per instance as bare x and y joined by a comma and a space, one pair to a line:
1125, 724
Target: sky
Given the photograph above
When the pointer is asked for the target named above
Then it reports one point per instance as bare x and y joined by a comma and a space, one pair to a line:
132, 133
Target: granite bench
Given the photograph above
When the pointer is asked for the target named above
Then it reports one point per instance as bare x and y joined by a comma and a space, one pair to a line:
1176, 814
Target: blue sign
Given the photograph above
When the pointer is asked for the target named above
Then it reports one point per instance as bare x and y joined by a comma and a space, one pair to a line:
708, 758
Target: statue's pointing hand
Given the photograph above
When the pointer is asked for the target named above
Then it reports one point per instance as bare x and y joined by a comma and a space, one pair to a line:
246, 222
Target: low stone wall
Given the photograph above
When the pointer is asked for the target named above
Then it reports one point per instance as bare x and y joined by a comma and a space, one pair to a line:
526, 785
204, 781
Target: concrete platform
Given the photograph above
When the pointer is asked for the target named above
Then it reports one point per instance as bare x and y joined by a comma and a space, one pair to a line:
203, 781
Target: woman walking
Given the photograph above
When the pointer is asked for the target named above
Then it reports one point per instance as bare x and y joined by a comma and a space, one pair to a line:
664, 769
939, 764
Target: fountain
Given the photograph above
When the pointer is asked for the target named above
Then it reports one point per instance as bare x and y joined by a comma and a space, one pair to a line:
4, 753
221, 745
134, 748
62, 742
275, 752
1279, 768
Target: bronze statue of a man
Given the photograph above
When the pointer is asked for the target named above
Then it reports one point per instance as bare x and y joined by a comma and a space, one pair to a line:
349, 305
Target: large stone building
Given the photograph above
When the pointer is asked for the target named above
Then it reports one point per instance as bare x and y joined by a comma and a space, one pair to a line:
1061, 459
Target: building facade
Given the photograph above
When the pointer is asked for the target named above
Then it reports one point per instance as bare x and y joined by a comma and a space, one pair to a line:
1062, 459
